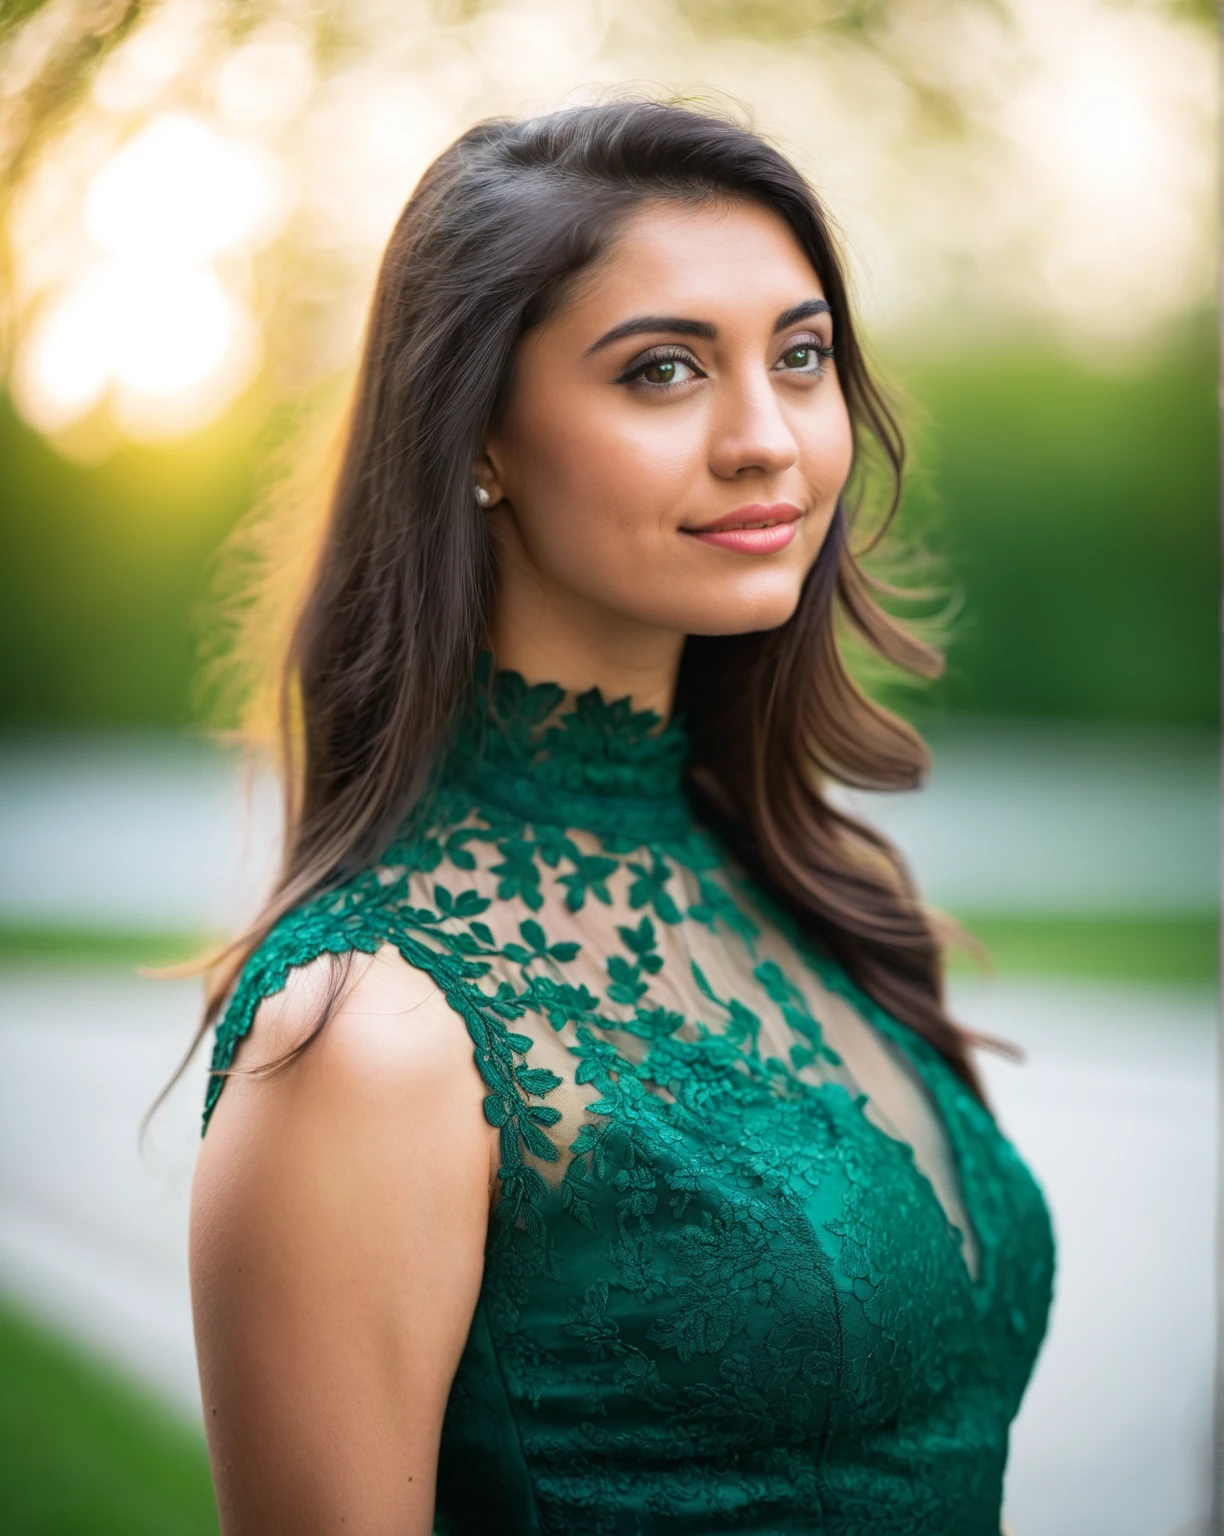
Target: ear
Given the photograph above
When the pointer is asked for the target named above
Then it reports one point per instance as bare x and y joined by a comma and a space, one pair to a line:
488, 480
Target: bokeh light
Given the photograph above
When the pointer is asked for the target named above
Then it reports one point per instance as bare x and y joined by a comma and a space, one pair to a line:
177, 189
145, 317
224, 191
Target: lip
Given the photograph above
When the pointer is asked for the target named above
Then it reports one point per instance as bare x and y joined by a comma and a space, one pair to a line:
756, 529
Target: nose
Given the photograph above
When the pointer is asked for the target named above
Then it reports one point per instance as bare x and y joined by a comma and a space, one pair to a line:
749, 433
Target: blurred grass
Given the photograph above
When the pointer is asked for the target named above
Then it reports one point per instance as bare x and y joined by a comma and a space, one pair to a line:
1183, 947
84, 1453
1123, 947
22, 943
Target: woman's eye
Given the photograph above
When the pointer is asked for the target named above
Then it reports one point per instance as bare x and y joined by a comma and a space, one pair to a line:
665, 371
661, 372
805, 357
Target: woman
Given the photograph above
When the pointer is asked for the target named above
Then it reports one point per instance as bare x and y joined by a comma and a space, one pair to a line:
595, 1153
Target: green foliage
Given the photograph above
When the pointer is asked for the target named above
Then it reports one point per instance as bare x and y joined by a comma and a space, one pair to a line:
83, 1453
1076, 513
14, 12
79, 42
104, 573
1205, 12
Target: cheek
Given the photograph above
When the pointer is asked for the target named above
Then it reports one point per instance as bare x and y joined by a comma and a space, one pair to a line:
827, 449
595, 482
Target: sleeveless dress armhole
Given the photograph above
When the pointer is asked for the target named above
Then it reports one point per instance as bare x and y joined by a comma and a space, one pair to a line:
500, 1053
294, 943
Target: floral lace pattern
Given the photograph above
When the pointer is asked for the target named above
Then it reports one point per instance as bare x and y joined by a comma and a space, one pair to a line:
761, 1262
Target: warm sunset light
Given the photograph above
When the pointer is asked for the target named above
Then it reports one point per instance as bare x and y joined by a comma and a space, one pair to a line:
216, 196
179, 189
145, 317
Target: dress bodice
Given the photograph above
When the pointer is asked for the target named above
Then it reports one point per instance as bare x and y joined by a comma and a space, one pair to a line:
761, 1260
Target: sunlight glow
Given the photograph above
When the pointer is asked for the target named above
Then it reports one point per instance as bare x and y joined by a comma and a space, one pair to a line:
178, 188
223, 192
65, 364
158, 328
173, 325
140, 316
269, 78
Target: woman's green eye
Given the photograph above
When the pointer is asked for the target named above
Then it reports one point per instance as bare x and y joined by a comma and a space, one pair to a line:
804, 357
660, 373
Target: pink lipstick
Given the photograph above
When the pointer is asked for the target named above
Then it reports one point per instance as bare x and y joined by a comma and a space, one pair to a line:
756, 529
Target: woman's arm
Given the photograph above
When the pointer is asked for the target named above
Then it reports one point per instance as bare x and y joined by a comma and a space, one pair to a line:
338, 1223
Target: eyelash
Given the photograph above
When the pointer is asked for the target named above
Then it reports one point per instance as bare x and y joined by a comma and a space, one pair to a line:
632, 374
673, 354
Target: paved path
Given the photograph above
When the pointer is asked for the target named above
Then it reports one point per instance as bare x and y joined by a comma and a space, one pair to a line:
153, 833
1115, 1112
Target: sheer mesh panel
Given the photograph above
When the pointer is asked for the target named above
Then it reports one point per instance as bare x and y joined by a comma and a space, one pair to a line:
682, 981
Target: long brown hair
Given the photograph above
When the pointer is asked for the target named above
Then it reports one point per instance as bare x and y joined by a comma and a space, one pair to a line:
398, 602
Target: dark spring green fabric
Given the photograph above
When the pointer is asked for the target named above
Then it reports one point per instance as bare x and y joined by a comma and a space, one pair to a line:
761, 1262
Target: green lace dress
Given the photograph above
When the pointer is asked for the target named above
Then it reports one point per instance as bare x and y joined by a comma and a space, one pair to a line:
761, 1262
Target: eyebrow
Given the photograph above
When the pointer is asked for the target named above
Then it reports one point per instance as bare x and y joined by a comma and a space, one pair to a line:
680, 325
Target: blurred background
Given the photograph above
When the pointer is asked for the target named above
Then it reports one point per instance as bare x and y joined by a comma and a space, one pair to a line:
195, 194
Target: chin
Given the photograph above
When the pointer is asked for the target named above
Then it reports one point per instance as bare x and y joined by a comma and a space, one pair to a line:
741, 613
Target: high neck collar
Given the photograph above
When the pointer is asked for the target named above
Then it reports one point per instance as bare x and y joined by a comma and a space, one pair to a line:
575, 760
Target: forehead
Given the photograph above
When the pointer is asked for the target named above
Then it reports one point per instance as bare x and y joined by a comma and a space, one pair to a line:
723, 258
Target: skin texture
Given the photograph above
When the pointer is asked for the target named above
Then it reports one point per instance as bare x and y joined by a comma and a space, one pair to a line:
341, 1204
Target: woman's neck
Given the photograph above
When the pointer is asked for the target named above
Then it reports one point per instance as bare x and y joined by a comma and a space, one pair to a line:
552, 635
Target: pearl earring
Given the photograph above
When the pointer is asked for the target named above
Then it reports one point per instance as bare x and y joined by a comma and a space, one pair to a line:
482, 496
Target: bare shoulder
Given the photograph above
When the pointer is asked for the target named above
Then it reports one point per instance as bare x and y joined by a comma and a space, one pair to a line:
383, 1015
369, 1027
391, 1066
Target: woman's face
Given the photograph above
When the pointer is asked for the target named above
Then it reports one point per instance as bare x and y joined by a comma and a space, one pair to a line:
675, 441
